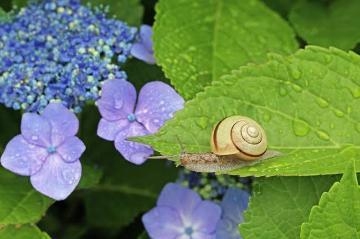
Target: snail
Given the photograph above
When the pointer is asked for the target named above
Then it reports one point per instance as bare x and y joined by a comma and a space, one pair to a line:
236, 142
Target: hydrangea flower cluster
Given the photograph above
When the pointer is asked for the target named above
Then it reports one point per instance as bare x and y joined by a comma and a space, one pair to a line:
59, 50
180, 213
211, 186
47, 151
125, 116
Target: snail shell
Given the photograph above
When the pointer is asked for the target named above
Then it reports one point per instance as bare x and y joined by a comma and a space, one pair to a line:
240, 136
236, 142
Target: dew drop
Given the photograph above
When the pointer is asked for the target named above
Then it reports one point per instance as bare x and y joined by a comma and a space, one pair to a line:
297, 88
323, 135
328, 59
332, 125
34, 137
252, 169
267, 117
300, 127
338, 113
322, 102
282, 91
202, 122
295, 72
118, 104
349, 109
355, 92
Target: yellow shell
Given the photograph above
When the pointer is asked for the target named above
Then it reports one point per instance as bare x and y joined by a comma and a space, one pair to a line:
240, 136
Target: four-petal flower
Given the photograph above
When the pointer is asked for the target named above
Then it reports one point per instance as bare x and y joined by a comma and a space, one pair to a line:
156, 103
181, 214
48, 151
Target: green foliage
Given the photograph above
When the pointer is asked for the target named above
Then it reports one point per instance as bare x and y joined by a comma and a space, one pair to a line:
279, 205
19, 3
27, 231
122, 183
306, 102
141, 77
129, 11
331, 23
338, 212
137, 187
196, 42
20, 203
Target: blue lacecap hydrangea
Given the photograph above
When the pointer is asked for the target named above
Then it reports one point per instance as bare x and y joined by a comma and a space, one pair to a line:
60, 50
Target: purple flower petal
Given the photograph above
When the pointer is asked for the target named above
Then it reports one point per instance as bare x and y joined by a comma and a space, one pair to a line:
134, 152
200, 235
109, 129
156, 103
23, 158
162, 222
146, 33
117, 99
143, 49
206, 216
139, 51
36, 129
234, 203
227, 229
57, 179
71, 149
179, 198
63, 122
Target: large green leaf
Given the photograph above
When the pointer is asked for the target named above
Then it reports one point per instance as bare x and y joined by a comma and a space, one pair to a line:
129, 11
308, 104
197, 41
328, 24
27, 231
279, 206
338, 212
19, 202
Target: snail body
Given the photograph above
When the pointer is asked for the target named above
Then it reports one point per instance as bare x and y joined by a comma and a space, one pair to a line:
236, 142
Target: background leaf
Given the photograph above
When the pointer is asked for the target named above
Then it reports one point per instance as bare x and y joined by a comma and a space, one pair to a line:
338, 212
129, 11
195, 42
20, 203
279, 205
307, 104
328, 23
125, 189
22, 232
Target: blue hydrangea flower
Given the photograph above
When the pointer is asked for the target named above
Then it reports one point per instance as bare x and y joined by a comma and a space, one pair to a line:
47, 151
121, 119
143, 47
180, 213
211, 186
59, 50
233, 206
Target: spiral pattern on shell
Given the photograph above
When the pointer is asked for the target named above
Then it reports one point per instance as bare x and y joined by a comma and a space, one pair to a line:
249, 137
239, 135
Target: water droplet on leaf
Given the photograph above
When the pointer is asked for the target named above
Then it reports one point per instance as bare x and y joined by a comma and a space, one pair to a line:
322, 102
300, 127
202, 122
322, 135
